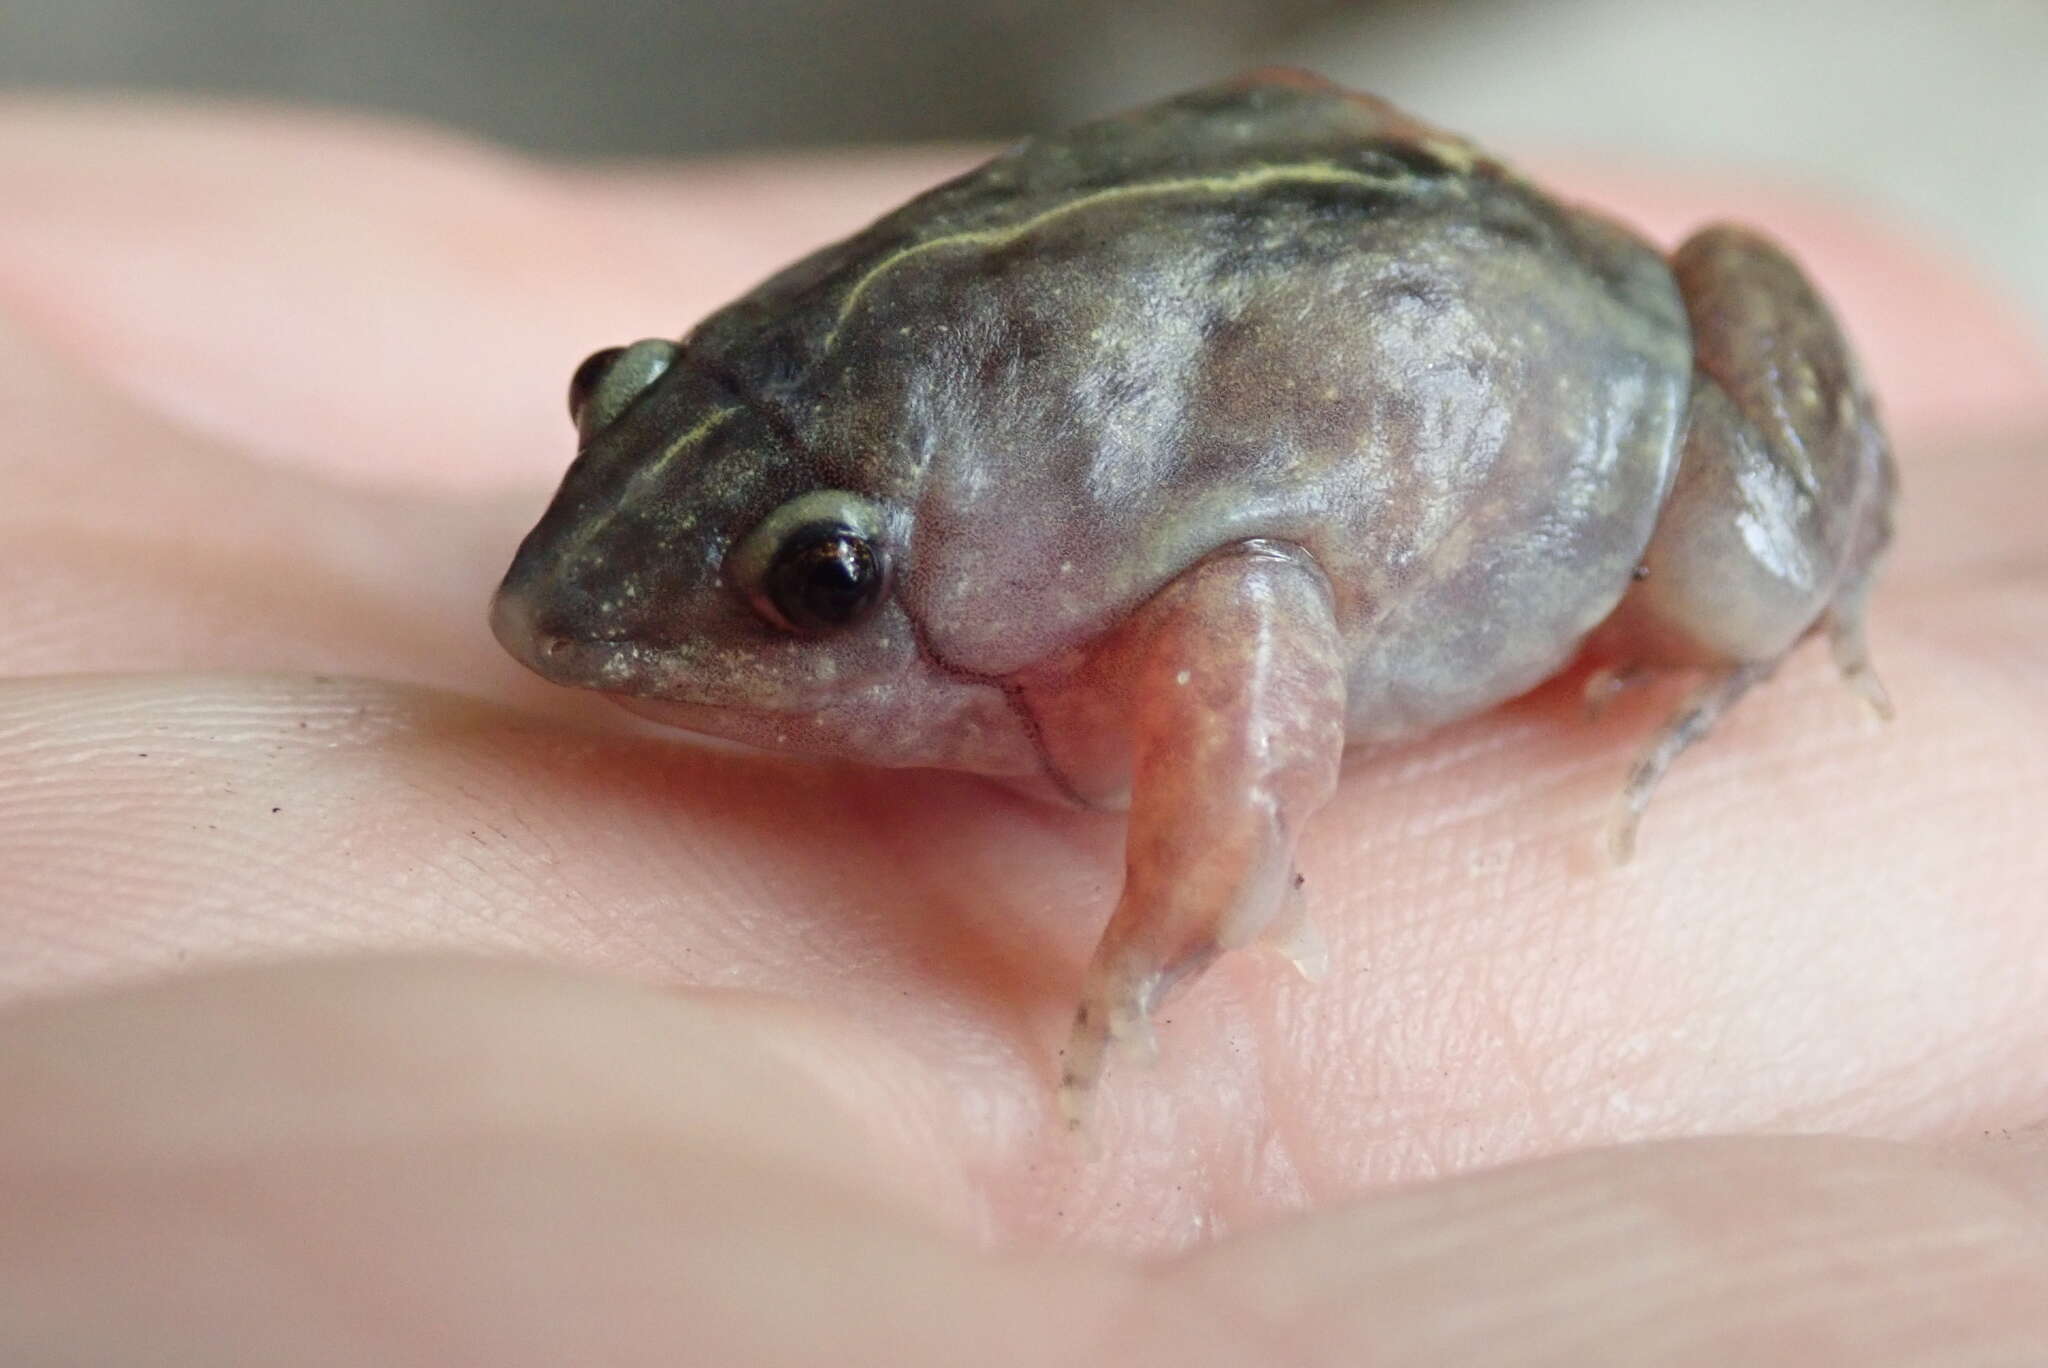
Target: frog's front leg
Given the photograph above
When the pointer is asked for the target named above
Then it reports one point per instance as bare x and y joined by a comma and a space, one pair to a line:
1782, 507
1233, 686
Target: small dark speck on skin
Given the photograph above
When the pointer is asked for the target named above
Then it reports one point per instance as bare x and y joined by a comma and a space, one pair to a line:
277, 809
142, 755
1642, 572
1299, 880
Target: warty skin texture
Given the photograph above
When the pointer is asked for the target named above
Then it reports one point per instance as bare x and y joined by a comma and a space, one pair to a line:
1270, 358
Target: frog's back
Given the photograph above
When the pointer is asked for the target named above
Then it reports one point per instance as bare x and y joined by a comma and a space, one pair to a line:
1271, 128
1269, 309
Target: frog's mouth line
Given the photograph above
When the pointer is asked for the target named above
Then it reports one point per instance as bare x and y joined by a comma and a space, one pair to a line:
631, 674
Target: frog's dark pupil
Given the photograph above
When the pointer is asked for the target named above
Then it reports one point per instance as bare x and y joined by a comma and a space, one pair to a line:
825, 576
587, 378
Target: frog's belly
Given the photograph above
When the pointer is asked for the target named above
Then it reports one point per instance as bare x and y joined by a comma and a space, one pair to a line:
1408, 682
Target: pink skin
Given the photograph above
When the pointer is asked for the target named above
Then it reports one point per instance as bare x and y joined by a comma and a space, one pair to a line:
244, 552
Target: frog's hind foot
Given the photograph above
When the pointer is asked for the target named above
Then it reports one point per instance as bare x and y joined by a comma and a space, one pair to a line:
1693, 720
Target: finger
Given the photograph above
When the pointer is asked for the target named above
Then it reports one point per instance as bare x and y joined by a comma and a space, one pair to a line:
1435, 1009
419, 1163
1757, 1251
257, 816
439, 1163
1746, 973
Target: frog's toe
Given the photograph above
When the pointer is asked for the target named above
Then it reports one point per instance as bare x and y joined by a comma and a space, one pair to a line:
1608, 683
1081, 1069
1852, 652
1131, 1033
1109, 1016
1294, 937
1694, 719
1864, 682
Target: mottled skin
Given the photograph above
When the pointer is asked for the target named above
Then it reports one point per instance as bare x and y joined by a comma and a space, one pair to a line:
1198, 442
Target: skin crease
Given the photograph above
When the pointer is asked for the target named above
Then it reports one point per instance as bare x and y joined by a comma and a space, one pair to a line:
252, 715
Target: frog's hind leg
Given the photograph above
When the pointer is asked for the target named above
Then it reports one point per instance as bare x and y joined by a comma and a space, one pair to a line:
1781, 509
1235, 681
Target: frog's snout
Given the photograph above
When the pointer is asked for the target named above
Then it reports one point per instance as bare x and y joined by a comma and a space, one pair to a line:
533, 645
540, 630
572, 613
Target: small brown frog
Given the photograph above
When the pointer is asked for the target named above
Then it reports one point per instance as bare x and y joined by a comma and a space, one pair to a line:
1152, 463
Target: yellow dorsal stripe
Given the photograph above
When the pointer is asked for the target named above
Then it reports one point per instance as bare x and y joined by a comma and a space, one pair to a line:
1315, 173
654, 469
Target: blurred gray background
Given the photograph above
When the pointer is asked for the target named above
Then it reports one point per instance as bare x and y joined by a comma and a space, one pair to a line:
1938, 112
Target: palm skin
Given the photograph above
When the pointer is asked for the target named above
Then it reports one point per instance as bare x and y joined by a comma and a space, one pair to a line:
282, 393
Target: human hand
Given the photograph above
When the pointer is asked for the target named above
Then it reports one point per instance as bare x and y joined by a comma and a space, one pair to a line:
271, 384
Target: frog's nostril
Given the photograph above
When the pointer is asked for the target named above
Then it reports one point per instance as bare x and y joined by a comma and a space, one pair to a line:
533, 629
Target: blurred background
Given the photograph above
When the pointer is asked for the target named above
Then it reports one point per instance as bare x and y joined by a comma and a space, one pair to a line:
1935, 112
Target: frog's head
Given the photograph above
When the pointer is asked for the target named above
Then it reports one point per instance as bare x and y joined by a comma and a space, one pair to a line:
696, 565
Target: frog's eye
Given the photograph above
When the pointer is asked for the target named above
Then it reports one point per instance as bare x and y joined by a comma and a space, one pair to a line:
816, 564
608, 382
824, 576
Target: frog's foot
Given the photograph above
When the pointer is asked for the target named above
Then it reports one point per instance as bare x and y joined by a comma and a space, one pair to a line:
1114, 1017
1781, 508
1237, 729
1693, 720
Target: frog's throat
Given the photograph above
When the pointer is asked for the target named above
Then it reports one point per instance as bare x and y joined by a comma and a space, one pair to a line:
1012, 694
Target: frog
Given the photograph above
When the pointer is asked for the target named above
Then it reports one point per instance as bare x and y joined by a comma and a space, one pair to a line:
1157, 464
